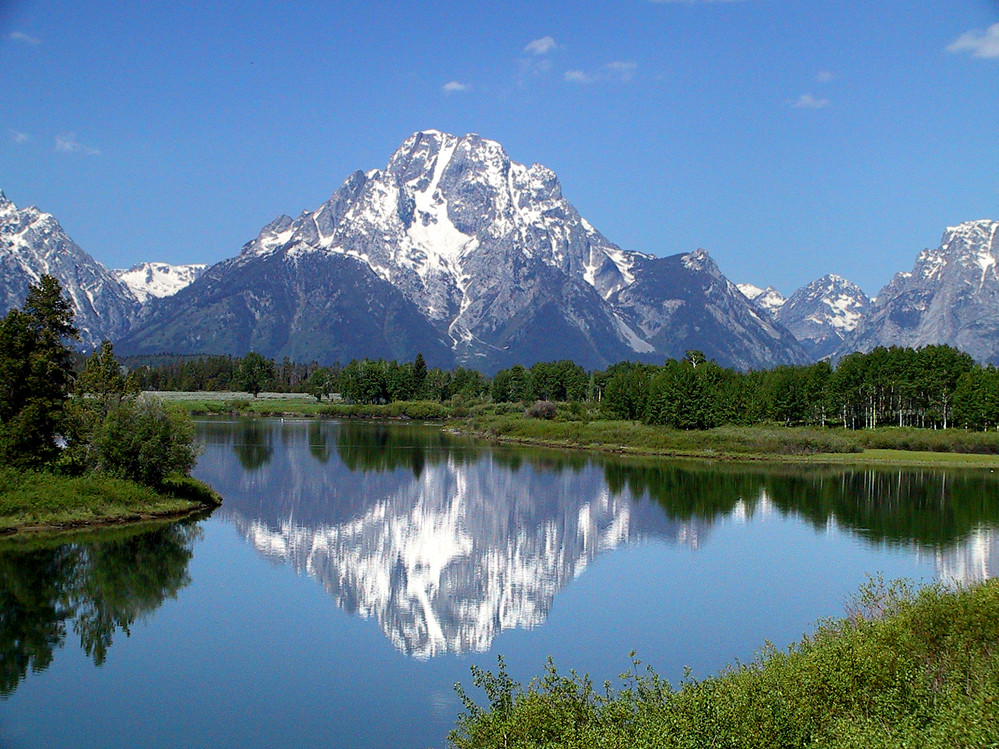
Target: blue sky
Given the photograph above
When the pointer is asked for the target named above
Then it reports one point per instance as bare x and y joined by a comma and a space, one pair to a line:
789, 138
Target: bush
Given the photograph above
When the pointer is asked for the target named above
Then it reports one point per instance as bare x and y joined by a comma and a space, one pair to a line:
141, 440
904, 669
542, 410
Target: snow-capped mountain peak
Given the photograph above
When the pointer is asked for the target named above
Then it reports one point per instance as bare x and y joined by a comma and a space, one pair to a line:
767, 301
32, 244
821, 314
951, 296
491, 255
157, 280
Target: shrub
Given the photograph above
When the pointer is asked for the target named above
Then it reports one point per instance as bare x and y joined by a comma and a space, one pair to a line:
542, 410
141, 440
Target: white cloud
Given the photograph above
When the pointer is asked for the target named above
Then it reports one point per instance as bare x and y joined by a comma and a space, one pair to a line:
825, 76
18, 137
984, 44
807, 101
578, 76
541, 46
620, 71
455, 87
69, 143
20, 36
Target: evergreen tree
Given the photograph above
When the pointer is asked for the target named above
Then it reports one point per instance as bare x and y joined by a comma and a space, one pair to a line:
36, 373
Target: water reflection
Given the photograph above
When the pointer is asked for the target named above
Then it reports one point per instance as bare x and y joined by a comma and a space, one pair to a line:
101, 586
446, 543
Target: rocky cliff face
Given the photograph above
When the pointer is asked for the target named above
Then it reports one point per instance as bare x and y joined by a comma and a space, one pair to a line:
32, 243
499, 265
951, 296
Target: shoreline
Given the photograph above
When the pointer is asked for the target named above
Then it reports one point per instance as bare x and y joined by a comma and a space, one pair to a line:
38, 504
504, 424
863, 457
879, 457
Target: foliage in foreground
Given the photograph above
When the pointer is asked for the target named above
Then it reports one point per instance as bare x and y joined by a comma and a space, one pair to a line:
902, 670
96, 422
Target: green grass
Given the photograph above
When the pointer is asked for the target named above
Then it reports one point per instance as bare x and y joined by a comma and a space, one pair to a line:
287, 404
901, 670
37, 500
763, 442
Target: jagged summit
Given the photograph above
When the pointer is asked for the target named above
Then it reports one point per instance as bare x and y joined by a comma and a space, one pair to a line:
32, 244
822, 313
766, 301
951, 296
157, 280
489, 253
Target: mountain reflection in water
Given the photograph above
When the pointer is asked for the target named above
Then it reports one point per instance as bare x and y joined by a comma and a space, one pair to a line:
446, 543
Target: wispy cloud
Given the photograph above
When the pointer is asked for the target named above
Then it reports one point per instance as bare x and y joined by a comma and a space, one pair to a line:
69, 143
541, 46
807, 101
18, 137
984, 44
825, 76
456, 87
20, 36
620, 71
578, 76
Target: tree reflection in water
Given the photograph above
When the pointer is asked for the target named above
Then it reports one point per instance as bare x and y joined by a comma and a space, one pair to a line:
101, 585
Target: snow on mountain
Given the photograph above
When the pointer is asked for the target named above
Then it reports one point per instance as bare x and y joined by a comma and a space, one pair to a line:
822, 313
490, 253
767, 300
32, 244
157, 280
951, 296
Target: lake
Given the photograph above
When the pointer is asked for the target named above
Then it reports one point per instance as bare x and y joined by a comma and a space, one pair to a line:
356, 571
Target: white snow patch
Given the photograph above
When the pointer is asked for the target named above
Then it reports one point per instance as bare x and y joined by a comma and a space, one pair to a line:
636, 342
148, 280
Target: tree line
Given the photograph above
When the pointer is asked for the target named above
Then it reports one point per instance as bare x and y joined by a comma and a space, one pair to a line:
930, 387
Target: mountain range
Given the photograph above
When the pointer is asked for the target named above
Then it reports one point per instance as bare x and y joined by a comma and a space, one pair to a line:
456, 251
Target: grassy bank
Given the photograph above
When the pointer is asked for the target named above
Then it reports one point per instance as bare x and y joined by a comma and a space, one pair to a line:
295, 404
902, 670
577, 426
762, 442
33, 501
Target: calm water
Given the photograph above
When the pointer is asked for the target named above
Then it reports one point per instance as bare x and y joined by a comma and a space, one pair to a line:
356, 571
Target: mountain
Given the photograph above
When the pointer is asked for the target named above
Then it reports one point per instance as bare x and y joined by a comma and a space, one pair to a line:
308, 307
456, 250
767, 300
684, 302
823, 313
148, 280
951, 296
32, 243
